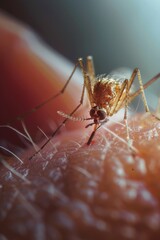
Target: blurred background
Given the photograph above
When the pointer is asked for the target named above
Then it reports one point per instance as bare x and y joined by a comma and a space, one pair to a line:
116, 33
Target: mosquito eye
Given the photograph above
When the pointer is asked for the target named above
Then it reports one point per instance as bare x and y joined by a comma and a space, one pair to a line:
101, 114
92, 112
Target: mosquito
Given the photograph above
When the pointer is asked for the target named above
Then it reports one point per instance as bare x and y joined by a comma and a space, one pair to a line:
106, 97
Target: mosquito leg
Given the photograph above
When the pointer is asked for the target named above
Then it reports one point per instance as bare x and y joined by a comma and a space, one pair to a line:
142, 87
136, 72
25, 114
90, 67
85, 85
158, 108
139, 91
126, 113
118, 101
157, 112
132, 149
88, 79
80, 62
146, 85
142, 90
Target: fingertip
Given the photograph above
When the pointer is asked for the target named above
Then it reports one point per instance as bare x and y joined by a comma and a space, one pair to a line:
31, 74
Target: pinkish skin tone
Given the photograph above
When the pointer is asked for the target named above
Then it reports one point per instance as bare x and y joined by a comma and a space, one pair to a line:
73, 191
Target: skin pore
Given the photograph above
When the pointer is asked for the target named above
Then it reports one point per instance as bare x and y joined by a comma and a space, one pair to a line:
72, 191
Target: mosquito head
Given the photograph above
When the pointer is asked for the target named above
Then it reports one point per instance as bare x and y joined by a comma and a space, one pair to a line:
98, 113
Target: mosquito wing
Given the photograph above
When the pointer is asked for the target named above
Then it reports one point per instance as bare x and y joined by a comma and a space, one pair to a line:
120, 74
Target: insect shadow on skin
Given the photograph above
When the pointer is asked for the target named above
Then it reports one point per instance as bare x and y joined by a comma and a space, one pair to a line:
106, 96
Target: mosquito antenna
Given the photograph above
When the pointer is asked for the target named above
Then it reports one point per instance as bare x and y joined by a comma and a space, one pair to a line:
73, 118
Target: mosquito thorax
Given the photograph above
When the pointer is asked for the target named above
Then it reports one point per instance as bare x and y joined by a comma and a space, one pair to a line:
98, 113
105, 91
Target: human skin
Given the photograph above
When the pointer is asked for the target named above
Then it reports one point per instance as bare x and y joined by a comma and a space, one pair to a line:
71, 190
